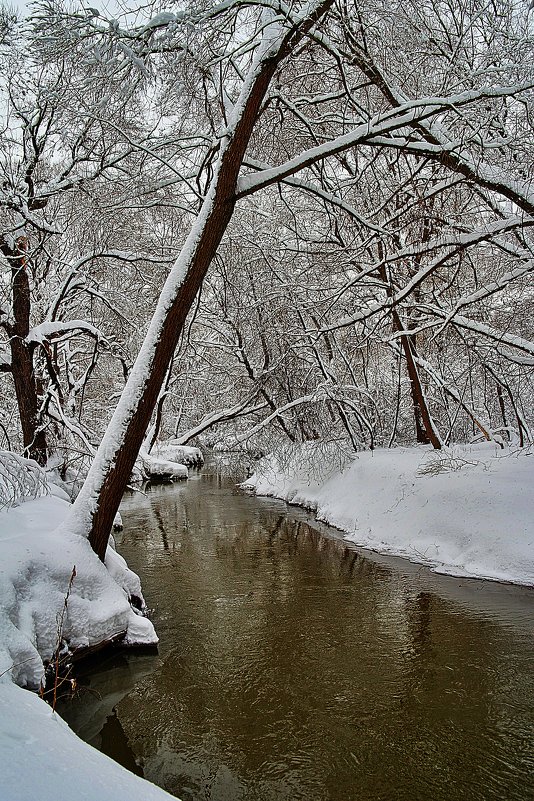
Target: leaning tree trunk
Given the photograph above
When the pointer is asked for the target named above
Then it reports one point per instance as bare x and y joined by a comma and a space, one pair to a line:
110, 471
424, 428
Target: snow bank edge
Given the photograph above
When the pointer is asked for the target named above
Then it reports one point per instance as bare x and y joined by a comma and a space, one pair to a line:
475, 520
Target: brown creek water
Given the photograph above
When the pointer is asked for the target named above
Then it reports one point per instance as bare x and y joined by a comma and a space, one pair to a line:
293, 665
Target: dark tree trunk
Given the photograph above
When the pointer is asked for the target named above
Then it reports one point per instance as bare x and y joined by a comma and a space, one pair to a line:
116, 479
111, 471
22, 370
425, 432
424, 428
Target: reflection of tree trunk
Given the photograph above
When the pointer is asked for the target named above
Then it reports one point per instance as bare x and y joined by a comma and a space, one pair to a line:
114, 743
276, 529
161, 527
421, 621
26, 387
349, 559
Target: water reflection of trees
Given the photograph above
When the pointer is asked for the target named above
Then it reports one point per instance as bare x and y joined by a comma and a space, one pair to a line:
295, 642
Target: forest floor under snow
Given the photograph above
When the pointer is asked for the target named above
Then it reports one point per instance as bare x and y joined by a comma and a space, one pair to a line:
465, 511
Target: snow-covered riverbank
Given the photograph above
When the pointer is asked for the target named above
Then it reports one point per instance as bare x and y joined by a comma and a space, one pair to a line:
41, 757
37, 558
43, 760
466, 511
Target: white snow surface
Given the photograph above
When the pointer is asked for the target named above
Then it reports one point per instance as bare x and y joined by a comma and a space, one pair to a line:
154, 467
43, 760
49, 329
37, 557
184, 454
465, 511
41, 757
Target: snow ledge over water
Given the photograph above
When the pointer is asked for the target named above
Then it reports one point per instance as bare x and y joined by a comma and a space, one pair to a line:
41, 757
37, 557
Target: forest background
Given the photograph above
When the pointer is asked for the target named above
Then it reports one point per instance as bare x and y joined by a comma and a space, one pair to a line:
244, 224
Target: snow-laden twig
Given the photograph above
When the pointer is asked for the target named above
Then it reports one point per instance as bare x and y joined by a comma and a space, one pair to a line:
20, 479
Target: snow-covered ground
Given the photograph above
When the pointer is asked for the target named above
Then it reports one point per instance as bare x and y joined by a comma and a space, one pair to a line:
41, 758
465, 511
168, 461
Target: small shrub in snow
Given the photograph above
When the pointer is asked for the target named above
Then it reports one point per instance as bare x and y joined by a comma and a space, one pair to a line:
59, 668
67, 472
313, 461
444, 464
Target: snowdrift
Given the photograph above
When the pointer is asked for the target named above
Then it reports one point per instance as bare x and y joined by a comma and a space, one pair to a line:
168, 461
36, 561
42, 759
466, 511
185, 454
153, 468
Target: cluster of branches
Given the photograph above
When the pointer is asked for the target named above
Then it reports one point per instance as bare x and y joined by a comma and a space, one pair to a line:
358, 177
382, 291
293, 336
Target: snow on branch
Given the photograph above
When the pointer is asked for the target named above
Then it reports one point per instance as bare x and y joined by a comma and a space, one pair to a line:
511, 340
323, 194
242, 409
453, 244
47, 330
277, 413
20, 480
406, 114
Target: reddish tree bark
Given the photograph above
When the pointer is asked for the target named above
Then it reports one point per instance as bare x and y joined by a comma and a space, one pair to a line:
111, 471
21, 367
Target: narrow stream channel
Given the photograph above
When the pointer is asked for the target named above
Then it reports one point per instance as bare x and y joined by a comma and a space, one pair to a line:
291, 666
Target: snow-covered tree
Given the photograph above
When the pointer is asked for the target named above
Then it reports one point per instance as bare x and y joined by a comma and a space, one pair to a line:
408, 125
